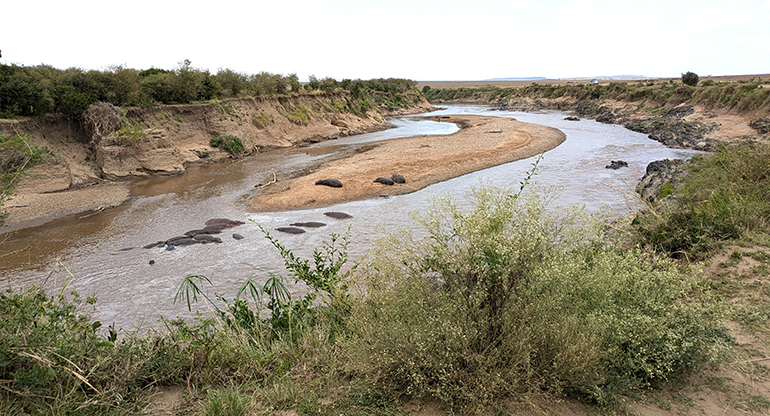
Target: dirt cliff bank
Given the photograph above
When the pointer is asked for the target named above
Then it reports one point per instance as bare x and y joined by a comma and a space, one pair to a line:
85, 173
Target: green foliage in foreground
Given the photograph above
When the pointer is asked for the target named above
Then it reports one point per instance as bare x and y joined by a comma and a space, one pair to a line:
510, 297
17, 153
228, 143
723, 197
500, 296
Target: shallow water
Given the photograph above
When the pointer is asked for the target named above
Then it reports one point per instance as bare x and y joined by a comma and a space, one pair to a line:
84, 255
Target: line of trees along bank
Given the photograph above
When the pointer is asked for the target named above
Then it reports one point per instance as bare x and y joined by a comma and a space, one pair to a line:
42, 89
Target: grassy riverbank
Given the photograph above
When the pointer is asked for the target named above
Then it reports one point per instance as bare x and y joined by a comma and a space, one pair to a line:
500, 304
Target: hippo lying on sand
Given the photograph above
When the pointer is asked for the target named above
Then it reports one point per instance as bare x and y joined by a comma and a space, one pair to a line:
398, 178
384, 180
334, 183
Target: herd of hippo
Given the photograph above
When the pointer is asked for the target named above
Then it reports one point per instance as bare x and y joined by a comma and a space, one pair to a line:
336, 183
200, 236
214, 226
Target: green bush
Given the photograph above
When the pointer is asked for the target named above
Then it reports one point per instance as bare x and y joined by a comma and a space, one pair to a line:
230, 144
722, 197
510, 296
690, 78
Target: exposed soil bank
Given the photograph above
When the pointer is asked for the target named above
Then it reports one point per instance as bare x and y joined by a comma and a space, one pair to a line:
481, 143
86, 174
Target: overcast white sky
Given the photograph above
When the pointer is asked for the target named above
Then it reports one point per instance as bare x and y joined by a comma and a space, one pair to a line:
415, 39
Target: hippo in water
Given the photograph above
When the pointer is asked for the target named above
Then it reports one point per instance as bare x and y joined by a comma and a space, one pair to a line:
184, 242
311, 224
290, 230
338, 215
206, 238
226, 222
398, 178
334, 183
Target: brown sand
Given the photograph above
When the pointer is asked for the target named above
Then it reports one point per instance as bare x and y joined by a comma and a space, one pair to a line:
481, 143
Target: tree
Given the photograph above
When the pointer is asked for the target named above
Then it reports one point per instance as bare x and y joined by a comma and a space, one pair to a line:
690, 78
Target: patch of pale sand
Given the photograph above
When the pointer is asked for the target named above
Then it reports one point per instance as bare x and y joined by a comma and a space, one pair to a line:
28, 210
482, 142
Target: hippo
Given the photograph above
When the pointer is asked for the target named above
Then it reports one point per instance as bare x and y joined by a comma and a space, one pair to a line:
290, 230
193, 233
206, 238
227, 222
158, 244
384, 180
171, 240
617, 164
237, 236
214, 228
311, 224
334, 183
338, 215
398, 178
184, 242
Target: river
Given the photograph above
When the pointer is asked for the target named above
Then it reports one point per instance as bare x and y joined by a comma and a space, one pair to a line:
84, 254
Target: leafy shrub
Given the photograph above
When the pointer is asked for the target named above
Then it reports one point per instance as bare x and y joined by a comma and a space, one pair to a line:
509, 297
131, 134
723, 196
690, 78
262, 119
230, 144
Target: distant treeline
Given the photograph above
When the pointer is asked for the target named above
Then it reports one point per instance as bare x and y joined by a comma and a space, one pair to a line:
742, 95
42, 89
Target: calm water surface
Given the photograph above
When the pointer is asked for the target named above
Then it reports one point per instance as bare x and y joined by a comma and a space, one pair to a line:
83, 253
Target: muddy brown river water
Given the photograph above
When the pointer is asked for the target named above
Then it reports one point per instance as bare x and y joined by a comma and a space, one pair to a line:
84, 254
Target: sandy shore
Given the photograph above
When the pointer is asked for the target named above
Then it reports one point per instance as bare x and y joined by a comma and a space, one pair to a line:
481, 143
29, 210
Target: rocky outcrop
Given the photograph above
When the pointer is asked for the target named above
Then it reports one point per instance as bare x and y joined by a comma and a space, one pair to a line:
152, 154
762, 125
671, 130
660, 178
